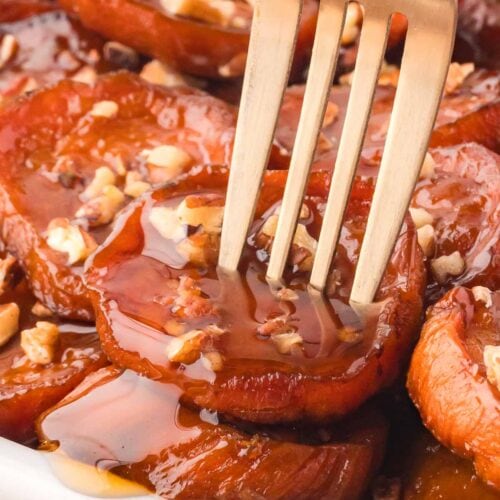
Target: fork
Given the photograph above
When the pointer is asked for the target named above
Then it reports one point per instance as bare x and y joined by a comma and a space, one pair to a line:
426, 58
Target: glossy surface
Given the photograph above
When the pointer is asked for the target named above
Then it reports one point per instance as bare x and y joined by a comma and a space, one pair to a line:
140, 282
184, 454
189, 46
471, 113
15, 10
51, 148
447, 379
49, 47
463, 196
28, 389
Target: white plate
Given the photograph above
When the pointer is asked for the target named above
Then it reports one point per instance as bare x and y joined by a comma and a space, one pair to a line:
26, 474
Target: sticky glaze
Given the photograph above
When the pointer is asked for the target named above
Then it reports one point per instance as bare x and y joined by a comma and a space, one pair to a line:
180, 453
43, 145
135, 276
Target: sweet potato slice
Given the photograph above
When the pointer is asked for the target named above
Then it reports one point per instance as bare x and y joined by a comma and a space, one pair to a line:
471, 113
209, 49
248, 369
448, 378
44, 47
138, 427
462, 197
27, 389
53, 141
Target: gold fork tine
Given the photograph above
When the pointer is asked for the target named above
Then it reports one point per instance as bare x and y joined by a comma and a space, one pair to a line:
324, 58
415, 108
370, 55
272, 42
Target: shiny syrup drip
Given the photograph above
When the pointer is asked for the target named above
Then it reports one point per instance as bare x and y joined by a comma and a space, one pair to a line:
124, 424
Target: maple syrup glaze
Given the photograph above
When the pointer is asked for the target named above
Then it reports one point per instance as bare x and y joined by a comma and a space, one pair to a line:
181, 453
469, 114
27, 389
49, 47
51, 147
463, 197
448, 378
190, 46
138, 279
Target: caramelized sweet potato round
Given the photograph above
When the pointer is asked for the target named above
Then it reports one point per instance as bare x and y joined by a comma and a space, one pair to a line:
448, 378
232, 345
471, 113
185, 454
27, 389
53, 141
462, 197
208, 49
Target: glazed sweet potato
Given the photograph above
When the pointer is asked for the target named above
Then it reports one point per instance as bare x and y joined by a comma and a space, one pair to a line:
448, 378
260, 357
27, 389
462, 197
207, 49
53, 141
179, 453
471, 113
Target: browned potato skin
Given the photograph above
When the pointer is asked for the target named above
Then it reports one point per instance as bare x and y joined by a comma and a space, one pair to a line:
187, 45
447, 380
212, 460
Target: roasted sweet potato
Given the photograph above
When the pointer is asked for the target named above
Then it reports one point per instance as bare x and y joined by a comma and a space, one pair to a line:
53, 141
179, 453
253, 355
209, 49
469, 113
452, 384
461, 197
26, 388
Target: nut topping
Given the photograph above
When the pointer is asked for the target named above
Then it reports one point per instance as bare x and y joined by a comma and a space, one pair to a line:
285, 342
103, 177
39, 343
66, 238
9, 322
104, 109
447, 265
482, 294
491, 358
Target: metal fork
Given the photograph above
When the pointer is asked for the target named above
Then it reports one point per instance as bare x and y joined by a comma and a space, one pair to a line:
426, 58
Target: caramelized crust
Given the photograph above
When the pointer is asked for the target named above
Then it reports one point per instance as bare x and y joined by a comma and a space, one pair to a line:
184, 454
143, 287
53, 142
15, 10
27, 389
189, 46
448, 379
